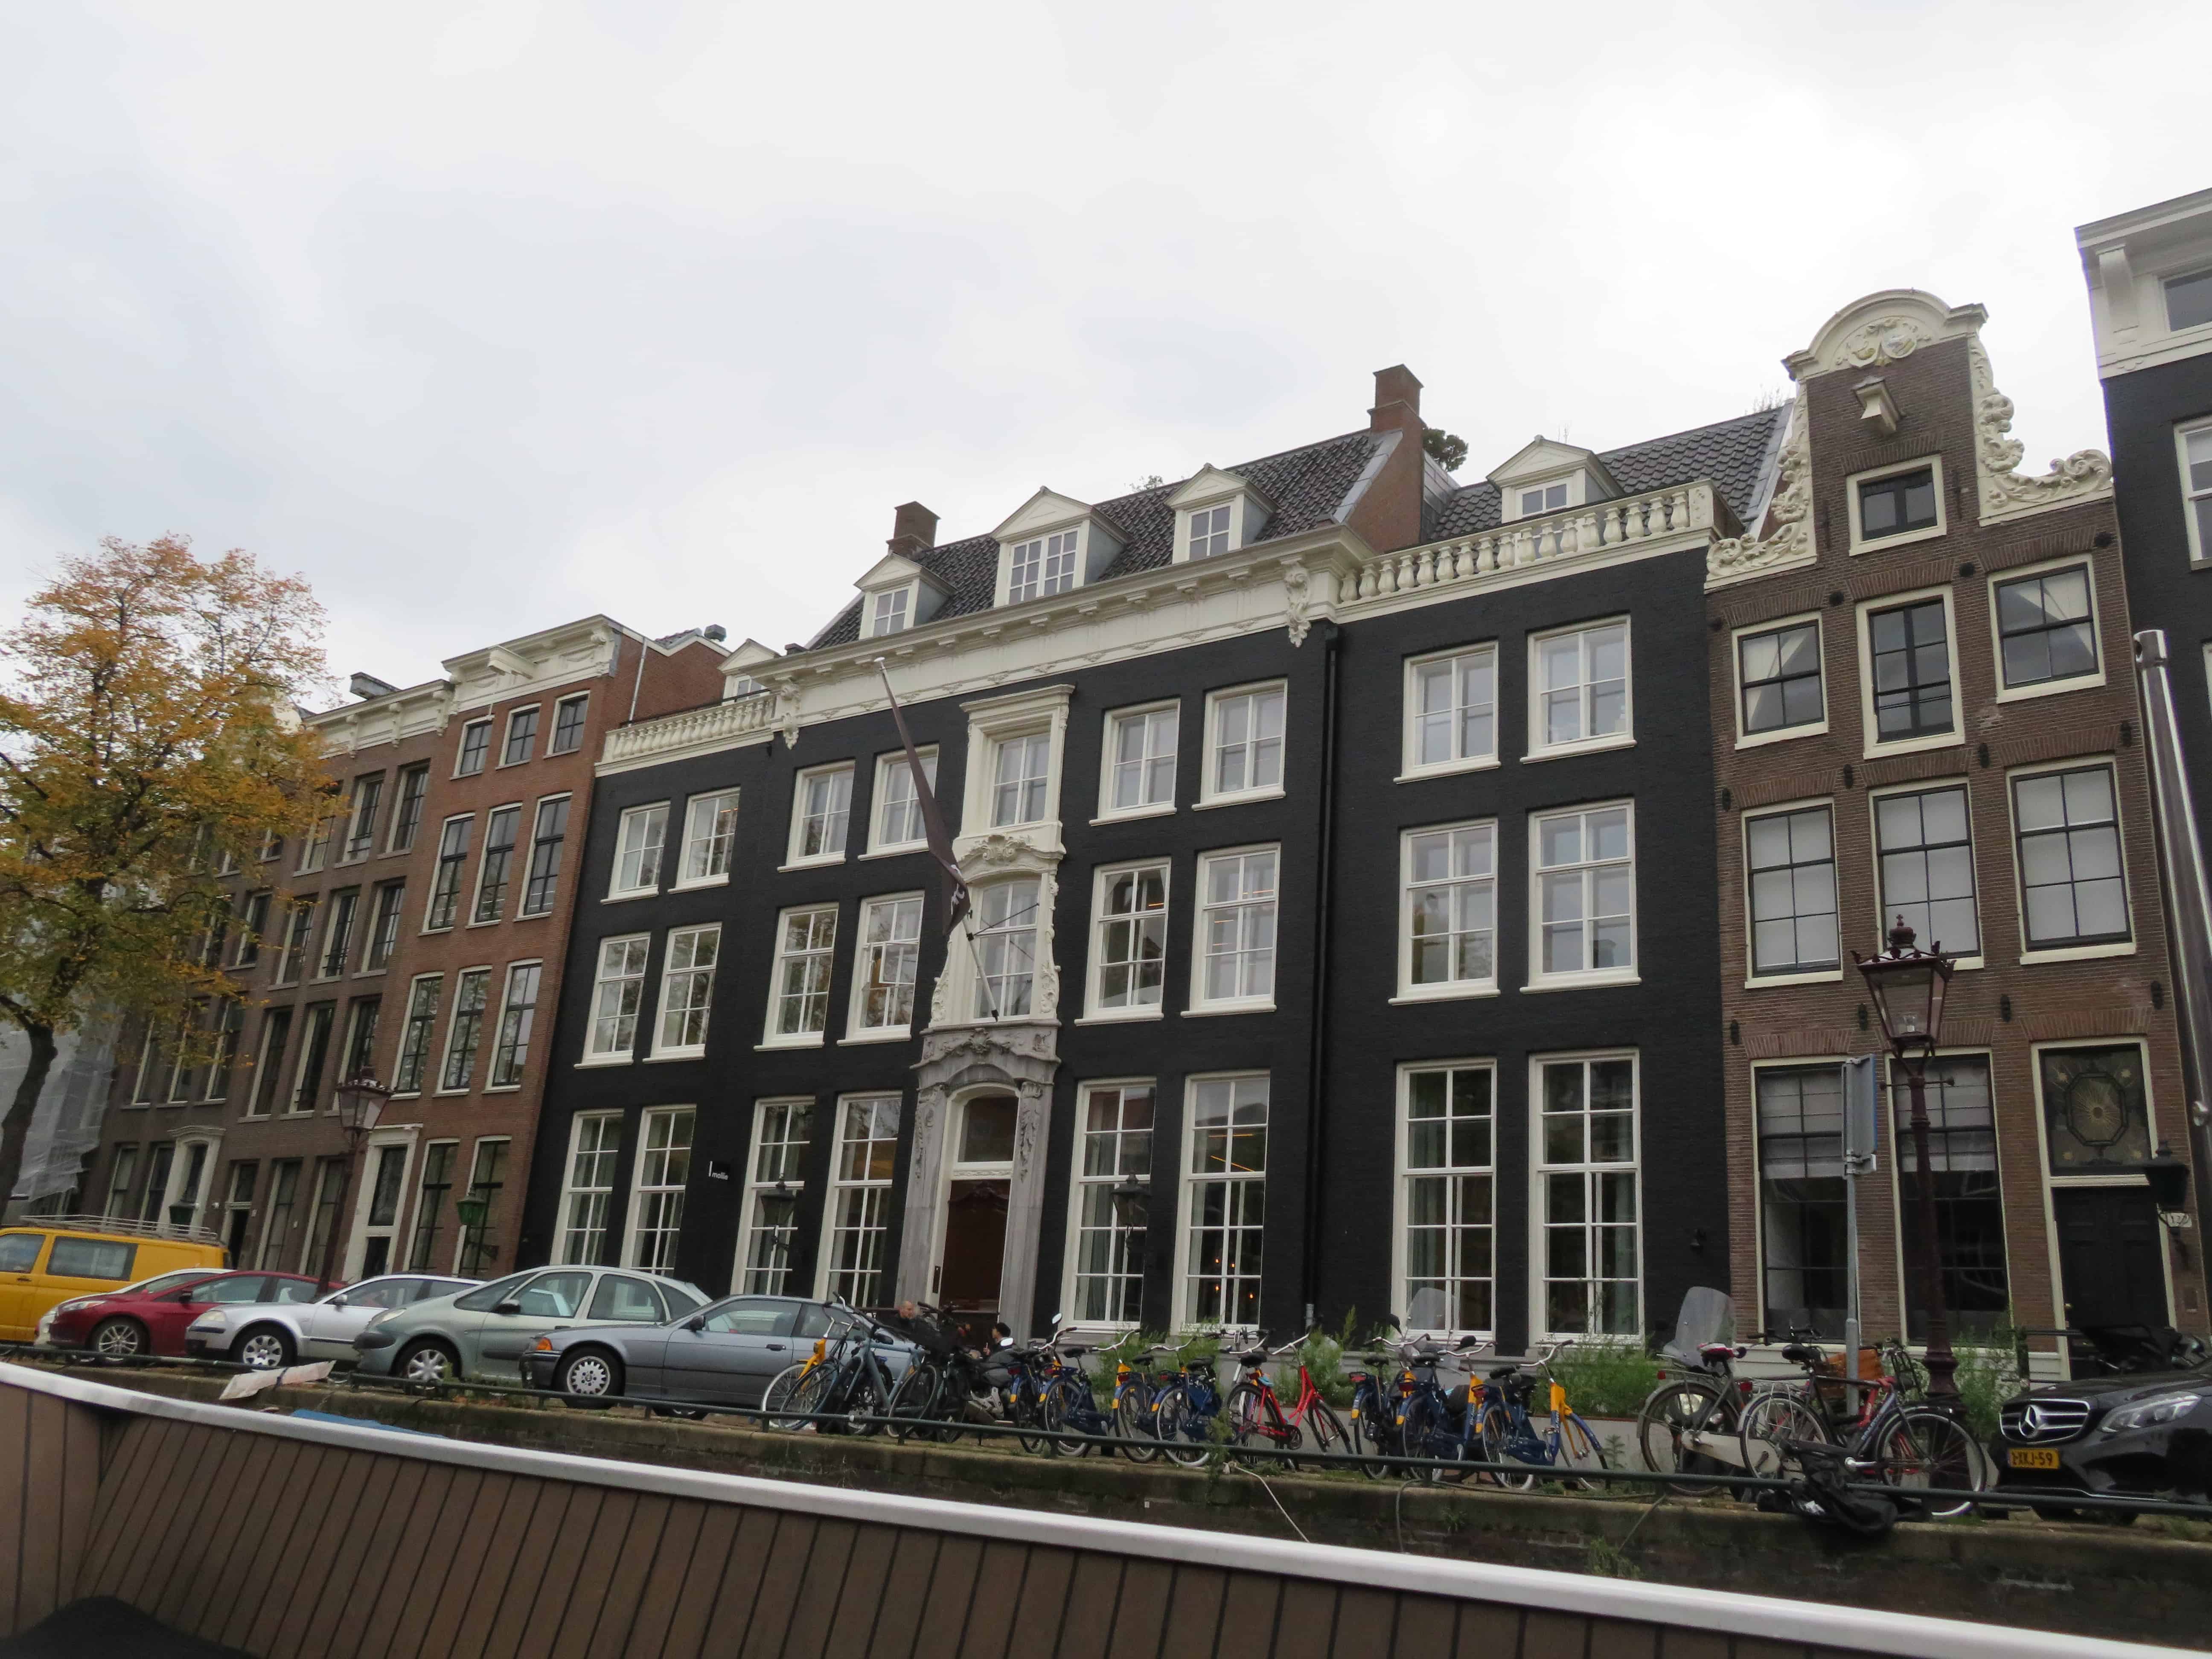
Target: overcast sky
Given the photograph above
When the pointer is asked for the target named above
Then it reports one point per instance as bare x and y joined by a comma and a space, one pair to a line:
488, 317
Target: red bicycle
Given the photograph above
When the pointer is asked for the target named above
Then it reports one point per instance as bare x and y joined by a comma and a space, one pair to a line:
1255, 1413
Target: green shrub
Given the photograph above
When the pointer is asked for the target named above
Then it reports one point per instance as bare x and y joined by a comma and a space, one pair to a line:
1987, 1378
1605, 1376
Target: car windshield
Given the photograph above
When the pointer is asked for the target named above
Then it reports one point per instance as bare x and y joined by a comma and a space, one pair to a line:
175, 1280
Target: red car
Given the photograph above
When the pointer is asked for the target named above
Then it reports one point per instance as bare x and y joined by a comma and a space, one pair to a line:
140, 1323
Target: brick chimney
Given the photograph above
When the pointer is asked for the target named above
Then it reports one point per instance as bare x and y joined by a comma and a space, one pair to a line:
914, 530
1388, 513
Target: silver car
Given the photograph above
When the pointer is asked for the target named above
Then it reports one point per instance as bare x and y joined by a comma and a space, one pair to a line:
485, 1332
270, 1335
725, 1354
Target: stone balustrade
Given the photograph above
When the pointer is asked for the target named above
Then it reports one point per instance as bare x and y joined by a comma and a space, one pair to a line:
717, 722
1576, 533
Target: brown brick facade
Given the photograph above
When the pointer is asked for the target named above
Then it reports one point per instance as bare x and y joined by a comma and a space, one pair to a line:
2006, 1008
269, 1177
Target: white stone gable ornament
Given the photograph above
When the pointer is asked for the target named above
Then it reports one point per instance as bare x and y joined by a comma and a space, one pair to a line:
2005, 490
1786, 534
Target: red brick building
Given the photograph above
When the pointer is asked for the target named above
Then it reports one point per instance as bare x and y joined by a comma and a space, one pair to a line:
416, 936
1924, 704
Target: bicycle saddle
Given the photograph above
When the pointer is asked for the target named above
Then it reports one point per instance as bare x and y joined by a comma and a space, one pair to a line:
1714, 1350
1075, 1353
1798, 1353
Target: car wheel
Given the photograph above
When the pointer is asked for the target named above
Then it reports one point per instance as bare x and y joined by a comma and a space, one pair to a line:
588, 1376
266, 1348
118, 1339
428, 1362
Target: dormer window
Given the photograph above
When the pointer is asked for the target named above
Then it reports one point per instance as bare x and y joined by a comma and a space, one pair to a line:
890, 612
1209, 532
1215, 513
1544, 498
1042, 566
1548, 477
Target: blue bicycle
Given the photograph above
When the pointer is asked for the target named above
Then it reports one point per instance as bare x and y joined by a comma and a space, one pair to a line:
1510, 1434
1184, 1412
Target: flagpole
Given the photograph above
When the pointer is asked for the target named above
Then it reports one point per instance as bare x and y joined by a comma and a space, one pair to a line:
957, 912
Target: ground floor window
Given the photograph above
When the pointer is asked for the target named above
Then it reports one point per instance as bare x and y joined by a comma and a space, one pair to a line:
431, 1194
860, 1195
1803, 1254
386, 1184
322, 1222
1113, 1173
664, 1169
1586, 1211
276, 1225
1225, 1200
782, 1130
1445, 1201
487, 1180
1962, 1157
593, 1142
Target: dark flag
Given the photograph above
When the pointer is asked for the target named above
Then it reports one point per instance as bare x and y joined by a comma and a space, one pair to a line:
933, 820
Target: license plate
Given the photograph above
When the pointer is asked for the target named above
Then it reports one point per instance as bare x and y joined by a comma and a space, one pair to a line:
2033, 1457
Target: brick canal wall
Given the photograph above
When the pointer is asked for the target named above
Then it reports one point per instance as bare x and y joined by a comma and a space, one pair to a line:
2143, 1584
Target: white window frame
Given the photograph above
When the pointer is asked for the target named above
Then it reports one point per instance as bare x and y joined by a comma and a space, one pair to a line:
1004, 747
1404, 1175
1748, 740
991, 721
625, 829
527, 1021
460, 863
427, 1069
461, 748
875, 1199
1885, 912
583, 725
699, 978
1539, 980
1109, 765
1069, 541
1215, 521
1078, 1183
1443, 990
2130, 889
720, 800
474, 909
536, 840
620, 947
1410, 765
801, 783
1095, 1009
2183, 430
1752, 975
889, 766
1188, 1182
565, 1227
793, 1181
2007, 692
1870, 731
482, 974
857, 1029
643, 1188
1859, 543
985, 937
1539, 749
780, 957
1201, 1003
507, 733
1209, 791
903, 616
1539, 1167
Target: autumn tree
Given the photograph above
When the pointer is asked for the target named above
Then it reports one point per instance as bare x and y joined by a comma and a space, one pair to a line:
148, 740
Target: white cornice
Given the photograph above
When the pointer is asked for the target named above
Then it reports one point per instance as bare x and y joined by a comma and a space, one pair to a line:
388, 718
537, 662
1881, 328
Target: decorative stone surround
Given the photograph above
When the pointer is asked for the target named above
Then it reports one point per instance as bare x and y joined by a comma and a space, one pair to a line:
1784, 541
2085, 475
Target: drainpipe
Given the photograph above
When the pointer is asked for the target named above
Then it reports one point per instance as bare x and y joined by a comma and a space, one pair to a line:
1317, 1056
2188, 903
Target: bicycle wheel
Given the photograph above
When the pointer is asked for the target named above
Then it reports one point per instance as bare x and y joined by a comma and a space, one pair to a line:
1059, 1409
915, 1401
1370, 1438
1680, 1420
1498, 1436
1925, 1448
778, 1398
1132, 1421
866, 1402
811, 1400
1327, 1431
1181, 1427
1427, 1435
1579, 1450
1025, 1411
1249, 1423
1770, 1420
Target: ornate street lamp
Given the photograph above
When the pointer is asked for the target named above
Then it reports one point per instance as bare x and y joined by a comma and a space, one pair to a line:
1908, 986
1132, 1202
779, 1208
473, 1213
360, 1102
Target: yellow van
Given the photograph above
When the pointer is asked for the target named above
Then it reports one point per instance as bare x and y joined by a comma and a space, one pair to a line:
47, 1260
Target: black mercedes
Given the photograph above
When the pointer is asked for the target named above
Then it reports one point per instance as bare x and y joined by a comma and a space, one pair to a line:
2140, 1433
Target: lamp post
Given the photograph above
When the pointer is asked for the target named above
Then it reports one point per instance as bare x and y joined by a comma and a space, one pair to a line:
473, 1213
360, 1102
1908, 986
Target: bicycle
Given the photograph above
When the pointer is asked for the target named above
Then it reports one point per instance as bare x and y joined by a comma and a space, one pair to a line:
1065, 1399
1508, 1435
1899, 1441
855, 1384
935, 1399
1256, 1414
1184, 1412
1429, 1422
1135, 1389
1698, 1408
